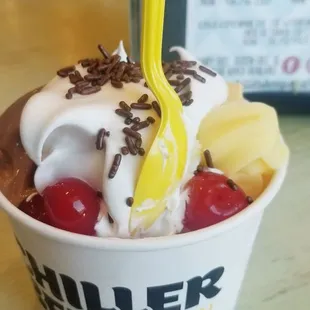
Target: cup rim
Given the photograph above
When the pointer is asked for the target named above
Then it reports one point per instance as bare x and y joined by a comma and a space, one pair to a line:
149, 243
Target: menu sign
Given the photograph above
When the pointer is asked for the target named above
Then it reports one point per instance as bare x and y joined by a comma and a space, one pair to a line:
264, 44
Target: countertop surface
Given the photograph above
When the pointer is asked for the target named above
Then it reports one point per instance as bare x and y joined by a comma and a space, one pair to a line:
38, 37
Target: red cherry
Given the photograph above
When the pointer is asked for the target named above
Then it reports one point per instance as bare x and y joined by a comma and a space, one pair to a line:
34, 207
211, 200
72, 205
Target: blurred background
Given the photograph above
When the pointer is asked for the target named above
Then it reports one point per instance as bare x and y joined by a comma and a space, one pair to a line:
38, 37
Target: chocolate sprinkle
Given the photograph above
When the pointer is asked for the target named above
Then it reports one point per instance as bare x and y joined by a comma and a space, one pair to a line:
141, 152
125, 150
134, 72
90, 90
120, 71
100, 144
189, 71
92, 77
64, 72
131, 146
112, 69
187, 63
174, 82
136, 120
143, 98
208, 159
249, 199
183, 84
81, 84
169, 74
92, 67
129, 60
141, 106
123, 113
129, 201
125, 78
115, 165
156, 107
83, 60
207, 70
128, 121
86, 63
136, 80
232, 184
138, 143
199, 168
75, 78
114, 61
177, 70
191, 63
188, 102
131, 133
103, 51
117, 84
69, 95
72, 90
186, 96
124, 106
102, 68
141, 125
199, 78
151, 120
78, 74
103, 80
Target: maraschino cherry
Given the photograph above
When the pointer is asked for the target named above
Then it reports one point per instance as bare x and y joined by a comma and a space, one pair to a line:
34, 207
72, 205
212, 199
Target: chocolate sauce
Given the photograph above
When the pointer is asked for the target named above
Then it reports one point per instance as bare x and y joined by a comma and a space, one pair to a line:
16, 168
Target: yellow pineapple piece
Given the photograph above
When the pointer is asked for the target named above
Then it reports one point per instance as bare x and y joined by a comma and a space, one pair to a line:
277, 155
238, 134
244, 140
252, 185
258, 166
257, 169
235, 92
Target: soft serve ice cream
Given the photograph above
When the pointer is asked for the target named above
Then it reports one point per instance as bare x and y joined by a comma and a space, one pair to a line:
96, 122
59, 135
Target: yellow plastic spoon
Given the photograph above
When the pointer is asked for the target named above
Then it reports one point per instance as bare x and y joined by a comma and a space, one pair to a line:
165, 162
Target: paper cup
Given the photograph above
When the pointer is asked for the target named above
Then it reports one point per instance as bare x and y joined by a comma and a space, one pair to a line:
197, 270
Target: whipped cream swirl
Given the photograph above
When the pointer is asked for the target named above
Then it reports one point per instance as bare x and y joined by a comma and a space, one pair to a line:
59, 136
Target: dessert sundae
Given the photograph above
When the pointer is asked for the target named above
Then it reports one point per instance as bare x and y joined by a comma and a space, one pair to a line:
71, 152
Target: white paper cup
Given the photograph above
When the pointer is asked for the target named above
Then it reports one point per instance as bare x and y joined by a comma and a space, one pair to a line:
197, 270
